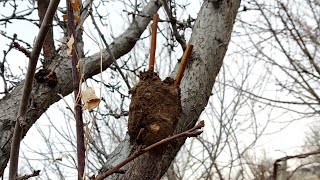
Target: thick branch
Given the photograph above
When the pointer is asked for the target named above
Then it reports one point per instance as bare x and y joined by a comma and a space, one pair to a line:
27, 176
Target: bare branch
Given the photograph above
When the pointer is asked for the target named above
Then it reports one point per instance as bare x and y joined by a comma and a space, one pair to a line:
21, 118
25, 177
72, 11
21, 49
299, 156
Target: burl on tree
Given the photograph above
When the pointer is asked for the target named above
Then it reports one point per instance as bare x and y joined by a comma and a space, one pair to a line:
155, 106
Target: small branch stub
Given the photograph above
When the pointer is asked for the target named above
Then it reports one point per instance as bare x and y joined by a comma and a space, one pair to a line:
183, 65
153, 42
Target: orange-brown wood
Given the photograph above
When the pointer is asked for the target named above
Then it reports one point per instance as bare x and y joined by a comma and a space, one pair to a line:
153, 41
183, 64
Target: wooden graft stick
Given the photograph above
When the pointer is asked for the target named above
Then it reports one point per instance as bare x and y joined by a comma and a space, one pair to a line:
153, 41
183, 65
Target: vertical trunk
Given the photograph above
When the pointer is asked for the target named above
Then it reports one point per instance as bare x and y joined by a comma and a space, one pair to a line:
210, 37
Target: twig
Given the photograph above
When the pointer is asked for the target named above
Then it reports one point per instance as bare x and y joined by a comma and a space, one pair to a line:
109, 52
137, 14
183, 65
22, 49
2, 69
135, 9
173, 22
45, 26
193, 132
27, 176
153, 42
68, 106
76, 78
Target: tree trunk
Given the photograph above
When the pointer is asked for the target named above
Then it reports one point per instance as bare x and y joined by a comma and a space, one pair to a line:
210, 37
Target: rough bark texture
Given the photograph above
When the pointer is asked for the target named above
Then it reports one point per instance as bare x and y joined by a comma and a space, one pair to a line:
43, 96
210, 37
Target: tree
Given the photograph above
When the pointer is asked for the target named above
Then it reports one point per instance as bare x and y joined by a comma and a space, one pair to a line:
285, 43
210, 36
289, 31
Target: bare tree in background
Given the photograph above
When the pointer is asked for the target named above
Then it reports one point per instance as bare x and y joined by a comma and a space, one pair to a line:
289, 30
286, 43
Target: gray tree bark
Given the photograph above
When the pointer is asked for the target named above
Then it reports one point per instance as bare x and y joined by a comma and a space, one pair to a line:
210, 37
